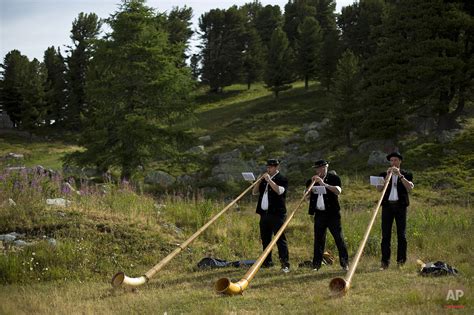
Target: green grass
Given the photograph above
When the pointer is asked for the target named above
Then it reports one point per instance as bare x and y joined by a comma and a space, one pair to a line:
101, 234
111, 228
36, 152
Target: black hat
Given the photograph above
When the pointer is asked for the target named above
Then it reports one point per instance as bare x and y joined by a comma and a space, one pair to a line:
273, 162
320, 163
397, 154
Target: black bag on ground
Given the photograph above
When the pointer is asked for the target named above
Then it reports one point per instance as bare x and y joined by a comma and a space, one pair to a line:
212, 263
209, 262
438, 268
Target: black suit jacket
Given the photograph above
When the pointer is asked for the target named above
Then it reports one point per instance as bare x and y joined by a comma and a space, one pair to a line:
276, 202
331, 200
403, 199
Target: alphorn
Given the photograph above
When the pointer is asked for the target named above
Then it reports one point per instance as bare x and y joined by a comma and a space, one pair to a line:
120, 279
339, 286
225, 286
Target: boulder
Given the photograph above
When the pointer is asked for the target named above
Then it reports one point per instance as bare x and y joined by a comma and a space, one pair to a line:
386, 146
311, 135
199, 149
206, 138
377, 158
60, 202
160, 178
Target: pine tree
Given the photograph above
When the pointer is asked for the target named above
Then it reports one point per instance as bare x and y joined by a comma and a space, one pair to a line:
308, 47
295, 14
23, 91
222, 34
55, 85
253, 57
279, 74
136, 93
85, 30
268, 19
178, 25
330, 49
15, 71
345, 114
418, 67
357, 22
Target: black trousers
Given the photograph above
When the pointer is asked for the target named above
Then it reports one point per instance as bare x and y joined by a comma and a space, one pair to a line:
391, 212
331, 221
269, 226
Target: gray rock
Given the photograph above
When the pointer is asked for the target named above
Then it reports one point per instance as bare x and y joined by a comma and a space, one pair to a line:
15, 168
259, 150
60, 202
377, 158
234, 121
206, 138
20, 243
52, 242
228, 156
160, 178
423, 126
196, 150
7, 237
446, 136
311, 136
185, 179
386, 146
14, 156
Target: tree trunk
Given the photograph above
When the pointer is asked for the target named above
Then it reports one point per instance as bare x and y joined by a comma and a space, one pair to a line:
447, 120
306, 79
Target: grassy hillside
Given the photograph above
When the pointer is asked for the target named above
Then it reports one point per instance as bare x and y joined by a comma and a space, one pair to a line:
74, 251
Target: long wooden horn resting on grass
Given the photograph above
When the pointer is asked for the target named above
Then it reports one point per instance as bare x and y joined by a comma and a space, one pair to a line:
340, 286
120, 279
225, 286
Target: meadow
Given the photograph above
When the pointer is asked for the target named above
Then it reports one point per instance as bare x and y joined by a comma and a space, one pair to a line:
111, 227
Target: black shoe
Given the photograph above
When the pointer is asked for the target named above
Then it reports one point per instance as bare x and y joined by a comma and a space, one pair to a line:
268, 264
345, 268
383, 266
316, 267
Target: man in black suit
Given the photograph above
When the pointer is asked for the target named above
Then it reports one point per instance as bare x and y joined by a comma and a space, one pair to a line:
394, 207
272, 209
326, 210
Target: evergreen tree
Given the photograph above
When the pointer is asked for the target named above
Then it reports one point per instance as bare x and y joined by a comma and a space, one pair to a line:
222, 35
254, 52
55, 86
253, 57
418, 68
330, 50
308, 46
295, 14
268, 19
85, 30
23, 91
278, 74
178, 25
33, 105
136, 92
329, 54
195, 71
346, 113
357, 22
15, 73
